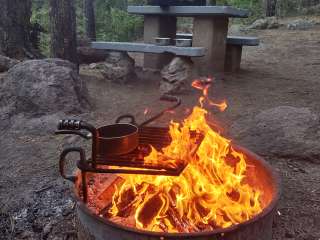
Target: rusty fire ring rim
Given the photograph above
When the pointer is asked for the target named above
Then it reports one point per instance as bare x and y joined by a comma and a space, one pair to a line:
271, 207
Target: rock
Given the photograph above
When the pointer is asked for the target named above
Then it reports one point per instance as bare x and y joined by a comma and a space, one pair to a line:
27, 235
47, 229
273, 23
235, 29
282, 132
259, 24
92, 65
7, 63
175, 75
42, 87
300, 24
40, 125
289, 234
118, 67
265, 23
58, 238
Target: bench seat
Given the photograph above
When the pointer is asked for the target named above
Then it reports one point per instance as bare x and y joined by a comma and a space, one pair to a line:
233, 40
234, 51
149, 48
243, 41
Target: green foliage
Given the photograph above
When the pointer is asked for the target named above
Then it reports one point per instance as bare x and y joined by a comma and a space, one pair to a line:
40, 15
113, 23
255, 7
80, 18
119, 26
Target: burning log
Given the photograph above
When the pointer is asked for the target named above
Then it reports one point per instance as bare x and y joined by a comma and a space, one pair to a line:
127, 202
151, 210
176, 221
182, 223
105, 188
163, 226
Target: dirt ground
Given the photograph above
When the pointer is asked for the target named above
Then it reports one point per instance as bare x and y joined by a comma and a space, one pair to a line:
284, 70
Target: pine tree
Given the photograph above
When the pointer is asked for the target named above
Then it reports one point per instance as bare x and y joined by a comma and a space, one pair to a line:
63, 30
90, 20
15, 28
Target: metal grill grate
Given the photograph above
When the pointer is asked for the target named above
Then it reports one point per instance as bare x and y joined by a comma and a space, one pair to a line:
133, 163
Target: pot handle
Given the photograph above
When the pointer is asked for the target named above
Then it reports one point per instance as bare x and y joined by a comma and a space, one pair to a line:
62, 161
127, 116
168, 98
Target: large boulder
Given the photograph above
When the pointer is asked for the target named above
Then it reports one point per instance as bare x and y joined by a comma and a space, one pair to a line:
42, 87
7, 63
265, 23
118, 67
282, 132
175, 75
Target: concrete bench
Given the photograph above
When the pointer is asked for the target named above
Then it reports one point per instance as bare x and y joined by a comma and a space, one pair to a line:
234, 49
232, 40
153, 51
149, 48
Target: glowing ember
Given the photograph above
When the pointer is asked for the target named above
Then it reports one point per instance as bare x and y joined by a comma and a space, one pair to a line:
210, 193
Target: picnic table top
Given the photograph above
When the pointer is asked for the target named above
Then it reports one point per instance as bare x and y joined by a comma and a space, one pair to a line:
190, 11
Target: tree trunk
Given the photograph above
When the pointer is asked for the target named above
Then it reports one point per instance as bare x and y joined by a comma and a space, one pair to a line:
15, 28
63, 30
271, 8
90, 19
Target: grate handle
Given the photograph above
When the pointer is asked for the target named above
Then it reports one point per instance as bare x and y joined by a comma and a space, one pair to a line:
62, 161
72, 124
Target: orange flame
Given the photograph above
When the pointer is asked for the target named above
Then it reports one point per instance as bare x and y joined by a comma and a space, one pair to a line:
210, 192
204, 86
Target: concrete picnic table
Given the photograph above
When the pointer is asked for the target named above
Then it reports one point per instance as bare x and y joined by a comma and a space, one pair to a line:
210, 29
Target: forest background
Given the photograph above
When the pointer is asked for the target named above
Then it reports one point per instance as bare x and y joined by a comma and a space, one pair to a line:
113, 23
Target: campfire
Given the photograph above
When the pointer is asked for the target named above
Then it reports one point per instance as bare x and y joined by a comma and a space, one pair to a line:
185, 180
212, 192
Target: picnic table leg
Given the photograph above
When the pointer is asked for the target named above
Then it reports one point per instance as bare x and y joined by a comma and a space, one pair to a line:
158, 26
233, 58
211, 33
